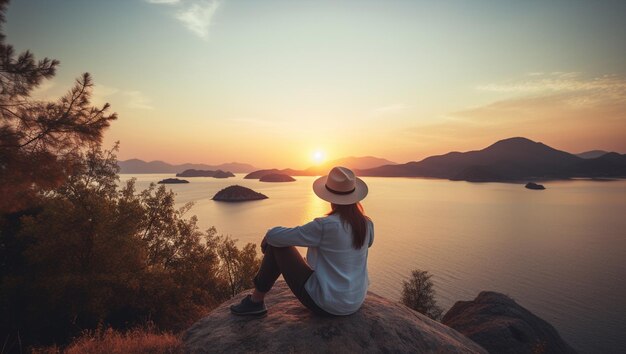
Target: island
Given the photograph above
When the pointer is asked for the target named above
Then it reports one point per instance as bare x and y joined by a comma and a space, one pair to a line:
237, 193
532, 185
205, 173
277, 177
172, 181
223, 174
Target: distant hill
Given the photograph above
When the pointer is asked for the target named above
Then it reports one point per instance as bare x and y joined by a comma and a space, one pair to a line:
205, 173
359, 163
351, 162
507, 160
592, 154
140, 166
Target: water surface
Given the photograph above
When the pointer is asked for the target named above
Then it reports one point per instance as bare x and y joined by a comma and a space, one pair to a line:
559, 252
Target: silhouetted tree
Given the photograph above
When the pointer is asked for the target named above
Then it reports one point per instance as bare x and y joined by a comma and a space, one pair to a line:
39, 140
237, 267
96, 254
76, 250
418, 294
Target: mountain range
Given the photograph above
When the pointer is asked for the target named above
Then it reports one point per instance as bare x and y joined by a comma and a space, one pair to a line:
511, 159
140, 166
352, 162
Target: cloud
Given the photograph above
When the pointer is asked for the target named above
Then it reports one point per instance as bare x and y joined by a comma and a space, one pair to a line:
132, 99
560, 82
195, 15
566, 110
165, 2
137, 100
198, 16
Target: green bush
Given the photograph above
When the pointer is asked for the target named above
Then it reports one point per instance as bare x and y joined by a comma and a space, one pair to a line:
418, 294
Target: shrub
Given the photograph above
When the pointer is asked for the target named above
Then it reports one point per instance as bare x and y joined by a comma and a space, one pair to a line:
110, 341
418, 294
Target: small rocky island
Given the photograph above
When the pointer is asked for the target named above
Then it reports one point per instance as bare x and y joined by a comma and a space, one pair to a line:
532, 185
205, 173
277, 177
173, 181
223, 174
237, 194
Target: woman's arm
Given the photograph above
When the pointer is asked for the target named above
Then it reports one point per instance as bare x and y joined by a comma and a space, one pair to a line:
307, 235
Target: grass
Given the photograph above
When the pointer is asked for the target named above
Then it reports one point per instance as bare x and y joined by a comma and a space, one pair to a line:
109, 341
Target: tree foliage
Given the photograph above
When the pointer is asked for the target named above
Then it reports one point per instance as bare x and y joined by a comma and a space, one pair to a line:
77, 251
94, 254
39, 140
237, 267
418, 294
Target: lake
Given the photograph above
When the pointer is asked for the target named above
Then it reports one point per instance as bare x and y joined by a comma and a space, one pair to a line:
560, 252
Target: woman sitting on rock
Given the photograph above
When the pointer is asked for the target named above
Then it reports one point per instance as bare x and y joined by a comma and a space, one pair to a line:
333, 279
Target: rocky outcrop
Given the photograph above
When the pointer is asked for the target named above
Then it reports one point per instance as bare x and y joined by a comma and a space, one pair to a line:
500, 325
237, 194
277, 177
535, 186
173, 181
380, 326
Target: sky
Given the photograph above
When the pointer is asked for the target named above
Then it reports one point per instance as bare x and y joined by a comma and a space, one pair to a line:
275, 83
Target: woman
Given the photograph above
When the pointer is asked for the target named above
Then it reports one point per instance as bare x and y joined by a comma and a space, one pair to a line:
333, 279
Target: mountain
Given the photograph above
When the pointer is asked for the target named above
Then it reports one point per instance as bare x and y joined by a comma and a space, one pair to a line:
352, 162
592, 154
608, 165
140, 166
205, 173
359, 163
506, 160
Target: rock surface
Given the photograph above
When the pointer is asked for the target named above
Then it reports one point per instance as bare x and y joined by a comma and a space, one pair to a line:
500, 325
237, 194
173, 181
277, 177
380, 326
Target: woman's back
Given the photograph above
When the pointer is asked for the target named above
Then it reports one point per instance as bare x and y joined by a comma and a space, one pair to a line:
340, 280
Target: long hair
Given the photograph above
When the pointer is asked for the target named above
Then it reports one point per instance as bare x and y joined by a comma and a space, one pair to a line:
354, 215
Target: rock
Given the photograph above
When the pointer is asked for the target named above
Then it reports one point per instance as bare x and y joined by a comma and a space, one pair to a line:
531, 185
276, 177
500, 325
205, 173
237, 194
172, 181
380, 326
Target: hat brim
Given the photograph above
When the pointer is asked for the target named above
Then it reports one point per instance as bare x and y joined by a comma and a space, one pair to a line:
359, 193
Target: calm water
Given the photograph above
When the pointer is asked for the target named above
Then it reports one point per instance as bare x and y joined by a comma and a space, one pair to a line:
560, 252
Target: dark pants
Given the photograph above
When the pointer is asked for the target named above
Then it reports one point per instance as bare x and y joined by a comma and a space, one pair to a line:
288, 262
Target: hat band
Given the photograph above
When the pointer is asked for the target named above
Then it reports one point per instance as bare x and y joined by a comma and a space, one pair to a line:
338, 192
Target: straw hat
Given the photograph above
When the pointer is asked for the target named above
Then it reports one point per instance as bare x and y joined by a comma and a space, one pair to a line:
340, 186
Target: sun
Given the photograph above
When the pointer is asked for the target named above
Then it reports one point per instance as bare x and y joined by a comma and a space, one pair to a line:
318, 156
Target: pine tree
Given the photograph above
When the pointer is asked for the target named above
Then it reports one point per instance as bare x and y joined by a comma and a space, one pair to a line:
38, 139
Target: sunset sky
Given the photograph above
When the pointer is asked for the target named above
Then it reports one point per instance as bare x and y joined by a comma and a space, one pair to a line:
273, 82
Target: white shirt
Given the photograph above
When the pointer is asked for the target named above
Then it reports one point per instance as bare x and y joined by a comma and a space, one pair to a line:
340, 280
